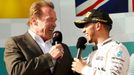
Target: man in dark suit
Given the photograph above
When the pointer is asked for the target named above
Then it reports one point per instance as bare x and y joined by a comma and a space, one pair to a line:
32, 53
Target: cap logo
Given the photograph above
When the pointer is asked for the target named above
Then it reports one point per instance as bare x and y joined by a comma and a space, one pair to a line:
87, 14
101, 20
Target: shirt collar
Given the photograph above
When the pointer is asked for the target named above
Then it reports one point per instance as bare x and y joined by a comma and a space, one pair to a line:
105, 42
37, 37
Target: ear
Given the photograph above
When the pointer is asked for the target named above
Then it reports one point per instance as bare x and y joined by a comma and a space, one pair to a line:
98, 26
34, 20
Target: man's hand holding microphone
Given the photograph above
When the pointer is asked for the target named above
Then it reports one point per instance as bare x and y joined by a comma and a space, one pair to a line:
78, 64
57, 50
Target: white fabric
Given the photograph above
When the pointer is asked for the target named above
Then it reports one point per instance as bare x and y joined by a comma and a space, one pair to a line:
131, 66
87, 70
45, 46
111, 58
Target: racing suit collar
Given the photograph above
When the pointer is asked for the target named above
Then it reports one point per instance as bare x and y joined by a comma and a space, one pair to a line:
103, 43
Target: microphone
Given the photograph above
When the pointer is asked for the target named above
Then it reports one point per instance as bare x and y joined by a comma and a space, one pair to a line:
57, 37
80, 46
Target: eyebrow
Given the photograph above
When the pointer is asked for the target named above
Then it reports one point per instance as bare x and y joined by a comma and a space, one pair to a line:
48, 17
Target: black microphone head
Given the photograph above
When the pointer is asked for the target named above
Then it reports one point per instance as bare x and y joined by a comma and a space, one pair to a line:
57, 37
81, 42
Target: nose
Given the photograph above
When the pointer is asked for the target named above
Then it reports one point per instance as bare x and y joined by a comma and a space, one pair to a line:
54, 25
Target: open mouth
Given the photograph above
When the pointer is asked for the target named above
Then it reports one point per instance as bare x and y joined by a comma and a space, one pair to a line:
51, 29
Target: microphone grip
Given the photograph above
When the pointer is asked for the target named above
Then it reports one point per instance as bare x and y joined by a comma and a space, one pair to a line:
79, 53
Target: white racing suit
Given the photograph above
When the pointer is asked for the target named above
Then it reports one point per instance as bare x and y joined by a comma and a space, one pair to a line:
111, 58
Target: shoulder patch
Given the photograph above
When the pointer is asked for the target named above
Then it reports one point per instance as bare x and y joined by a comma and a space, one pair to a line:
119, 54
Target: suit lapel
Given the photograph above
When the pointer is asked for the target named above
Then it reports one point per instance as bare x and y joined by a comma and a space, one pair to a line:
32, 44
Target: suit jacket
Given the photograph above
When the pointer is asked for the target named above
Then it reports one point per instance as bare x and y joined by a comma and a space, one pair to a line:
23, 56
